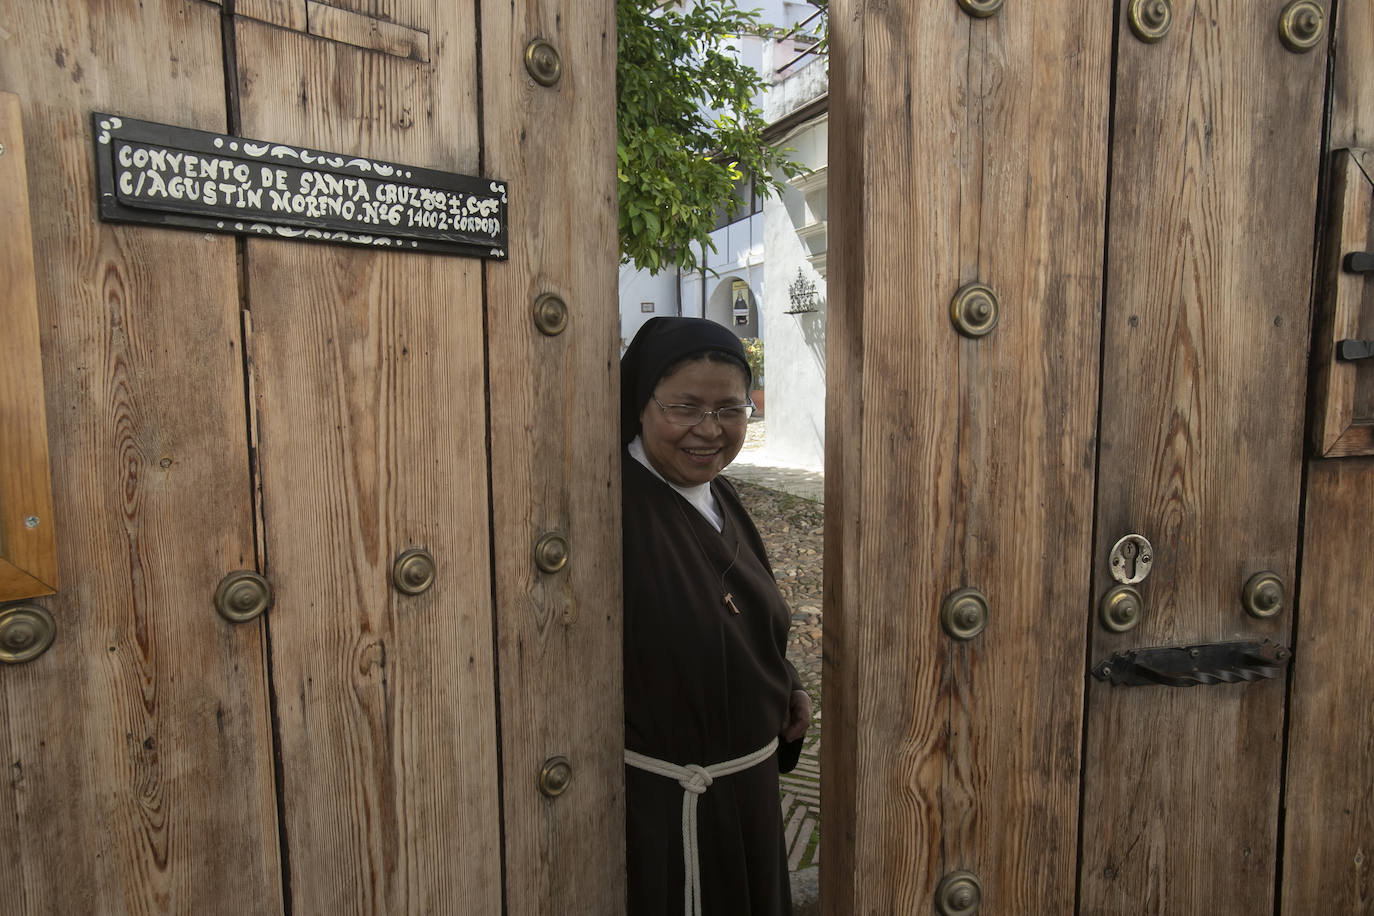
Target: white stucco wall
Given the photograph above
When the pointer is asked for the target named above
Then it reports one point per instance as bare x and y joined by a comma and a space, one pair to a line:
637, 287
808, 80
794, 347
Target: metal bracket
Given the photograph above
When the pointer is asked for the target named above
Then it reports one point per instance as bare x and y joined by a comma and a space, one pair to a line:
1350, 350
1188, 666
1358, 262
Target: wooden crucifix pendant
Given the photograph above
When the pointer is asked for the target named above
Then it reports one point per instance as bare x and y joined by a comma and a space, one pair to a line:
729, 601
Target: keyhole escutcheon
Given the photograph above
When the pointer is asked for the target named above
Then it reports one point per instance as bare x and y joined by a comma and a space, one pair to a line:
1131, 559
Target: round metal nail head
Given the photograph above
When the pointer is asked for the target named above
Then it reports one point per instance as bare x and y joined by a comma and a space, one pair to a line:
550, 315
26, 632
1120, 609
542, 62
974, 310
964, 613
551, 552
1150, 19
554, 776
960, 894
413, 571
1263, 595
980, 9
1301, 25
242, 595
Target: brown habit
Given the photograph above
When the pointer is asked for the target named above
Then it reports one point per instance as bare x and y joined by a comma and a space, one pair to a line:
702, 685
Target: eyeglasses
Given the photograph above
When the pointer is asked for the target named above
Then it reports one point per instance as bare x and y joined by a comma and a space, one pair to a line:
688, 415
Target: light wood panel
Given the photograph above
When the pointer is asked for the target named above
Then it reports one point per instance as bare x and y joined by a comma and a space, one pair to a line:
972, 150
288, 14
1214, 167
1352, 79
554, 436
28, 545
1328, 841
137, 750
1343, 392
1328, 861
368, 391
330, 22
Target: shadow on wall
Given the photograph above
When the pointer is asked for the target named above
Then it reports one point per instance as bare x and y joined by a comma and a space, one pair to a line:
812, 326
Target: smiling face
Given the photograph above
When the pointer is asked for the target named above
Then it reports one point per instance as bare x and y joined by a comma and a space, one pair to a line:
692, 455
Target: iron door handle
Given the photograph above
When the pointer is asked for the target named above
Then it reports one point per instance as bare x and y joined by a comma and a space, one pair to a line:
1189, 666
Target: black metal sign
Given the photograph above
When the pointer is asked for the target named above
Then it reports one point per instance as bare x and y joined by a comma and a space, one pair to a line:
195, 179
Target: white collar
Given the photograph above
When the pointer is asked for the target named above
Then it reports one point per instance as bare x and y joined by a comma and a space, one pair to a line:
700, 495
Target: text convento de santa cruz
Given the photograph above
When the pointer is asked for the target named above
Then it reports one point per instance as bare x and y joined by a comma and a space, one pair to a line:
179, 177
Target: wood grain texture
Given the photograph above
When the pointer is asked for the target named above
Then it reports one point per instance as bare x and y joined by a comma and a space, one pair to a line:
288, 14
1363, 406
367, 378
1328, 853
950, 462
137, 750
1352, 79
1344, 308
555, 465
1206, 334
28, 555
325, 21
846, 255
1328, 863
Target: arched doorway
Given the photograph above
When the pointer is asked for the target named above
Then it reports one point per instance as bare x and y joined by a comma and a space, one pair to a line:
734, 305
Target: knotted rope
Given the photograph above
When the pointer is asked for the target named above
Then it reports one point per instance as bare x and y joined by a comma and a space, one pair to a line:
695, 780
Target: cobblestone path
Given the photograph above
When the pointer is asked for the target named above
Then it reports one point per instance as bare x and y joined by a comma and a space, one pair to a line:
792, 528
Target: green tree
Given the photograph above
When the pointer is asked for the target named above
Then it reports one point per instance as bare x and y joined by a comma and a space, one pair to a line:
688, 130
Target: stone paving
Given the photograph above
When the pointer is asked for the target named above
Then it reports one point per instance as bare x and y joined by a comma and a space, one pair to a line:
756, 465
786, 504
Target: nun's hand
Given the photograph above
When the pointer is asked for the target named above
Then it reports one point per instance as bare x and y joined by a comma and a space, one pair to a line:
798, 716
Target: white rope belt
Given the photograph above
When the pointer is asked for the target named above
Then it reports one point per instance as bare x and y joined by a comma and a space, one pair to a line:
694, 781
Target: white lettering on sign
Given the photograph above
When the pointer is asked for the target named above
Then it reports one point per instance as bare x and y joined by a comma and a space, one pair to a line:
198, 182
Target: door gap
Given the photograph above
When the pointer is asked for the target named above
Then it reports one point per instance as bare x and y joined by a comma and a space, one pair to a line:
260, 563
1097, 458
487, 359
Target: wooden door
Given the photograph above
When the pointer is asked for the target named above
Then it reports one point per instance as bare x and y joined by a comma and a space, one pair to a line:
1215, 154
138, 748
1328, 825
368, 416
1144, 212
310, 412
965, 151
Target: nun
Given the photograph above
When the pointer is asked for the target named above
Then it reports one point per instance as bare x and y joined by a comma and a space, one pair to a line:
713, 709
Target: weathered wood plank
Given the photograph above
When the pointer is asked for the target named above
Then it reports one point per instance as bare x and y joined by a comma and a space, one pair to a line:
288, 14
1328, 862
137, 750
1352, 79
554, 438
1328, 852
368, 377
325, 21
1344, 302
28, 545
1215, 158
846, 256
1035, 174
980, 156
